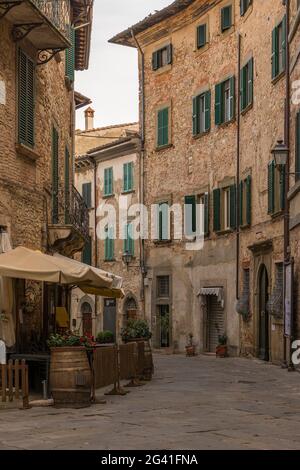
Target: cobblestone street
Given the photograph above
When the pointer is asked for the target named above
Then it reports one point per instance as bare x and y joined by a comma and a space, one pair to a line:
192, 403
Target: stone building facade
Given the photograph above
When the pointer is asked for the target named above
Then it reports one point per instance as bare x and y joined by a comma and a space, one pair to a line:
212, 99
37, 122
98, 150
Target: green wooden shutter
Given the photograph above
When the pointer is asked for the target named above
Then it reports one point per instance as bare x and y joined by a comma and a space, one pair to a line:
206, 214
297, 146
250, 81
169, 54
243, 89
111, 181
87, 252
67, 186
283, 45
163, 221
109, 244
275, 53
155, 64
196, 116
233, 207
130, 176
226, 17
163, 127
248, 200
232, 98
243, 7
129, 241
207, 99
87, 194
30, 102
241, 199
108, 181
271, 187
70, 57
217, 209
26, 99
201, 36
125, 177
282, 187
218, 104
55, 176
190, 215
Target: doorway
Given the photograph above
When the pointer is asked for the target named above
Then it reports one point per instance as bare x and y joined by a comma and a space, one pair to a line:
87, 321
164, 326
110, 316
263, 283
215, 322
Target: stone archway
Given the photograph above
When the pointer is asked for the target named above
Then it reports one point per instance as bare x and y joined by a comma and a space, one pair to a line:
87, 318
130, 308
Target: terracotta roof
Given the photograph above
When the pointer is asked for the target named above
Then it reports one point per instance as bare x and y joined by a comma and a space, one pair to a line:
114, 126
82, 15
125, 37
81, 100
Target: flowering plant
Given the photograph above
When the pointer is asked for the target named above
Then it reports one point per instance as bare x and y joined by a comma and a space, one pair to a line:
71, 339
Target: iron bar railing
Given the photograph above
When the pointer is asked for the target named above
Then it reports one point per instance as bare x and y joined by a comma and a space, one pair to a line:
58, 12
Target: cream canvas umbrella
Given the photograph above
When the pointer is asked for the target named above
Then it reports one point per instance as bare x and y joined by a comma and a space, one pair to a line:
7, 323
23, 263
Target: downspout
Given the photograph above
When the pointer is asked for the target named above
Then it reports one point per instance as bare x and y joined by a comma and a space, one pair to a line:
238, 172
141, 166
95, 229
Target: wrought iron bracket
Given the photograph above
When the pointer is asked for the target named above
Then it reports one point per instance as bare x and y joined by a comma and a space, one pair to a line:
6, 7
45, 55
20, 31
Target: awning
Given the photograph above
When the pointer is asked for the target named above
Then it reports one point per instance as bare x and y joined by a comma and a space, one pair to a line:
217, 291
22, 263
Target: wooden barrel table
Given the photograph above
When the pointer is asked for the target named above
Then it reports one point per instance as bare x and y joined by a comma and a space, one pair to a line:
70, 377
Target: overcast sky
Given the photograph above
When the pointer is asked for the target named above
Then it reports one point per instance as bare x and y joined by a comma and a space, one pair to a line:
112, 79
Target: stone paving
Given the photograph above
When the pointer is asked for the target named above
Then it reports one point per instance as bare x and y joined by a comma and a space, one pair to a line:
192, 403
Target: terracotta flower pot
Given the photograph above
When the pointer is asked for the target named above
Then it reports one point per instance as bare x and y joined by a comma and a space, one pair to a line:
221, 350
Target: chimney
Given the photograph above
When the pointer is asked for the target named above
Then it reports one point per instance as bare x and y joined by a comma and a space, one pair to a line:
89, 119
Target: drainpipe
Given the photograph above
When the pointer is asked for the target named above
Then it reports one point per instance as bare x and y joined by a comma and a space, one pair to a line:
142, 182
95, 229
238, 172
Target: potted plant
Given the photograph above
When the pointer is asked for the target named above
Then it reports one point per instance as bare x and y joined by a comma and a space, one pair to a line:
221, 349
190, 347
136, 330
105, 337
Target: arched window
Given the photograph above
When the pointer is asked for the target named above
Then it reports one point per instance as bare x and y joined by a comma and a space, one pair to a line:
130, 308
87, 322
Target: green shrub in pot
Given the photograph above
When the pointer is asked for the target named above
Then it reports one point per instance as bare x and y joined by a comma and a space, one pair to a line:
105, 337
136, 329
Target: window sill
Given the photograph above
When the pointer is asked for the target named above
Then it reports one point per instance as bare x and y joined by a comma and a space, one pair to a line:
108, 196
225, 124
224, 232
245, 110
130, 191
164, 147
228, 31
277, 215
27, 152
164, 69
247, 13
245, 227
278, 77
109, 260
162, 242
201, 134
200, 50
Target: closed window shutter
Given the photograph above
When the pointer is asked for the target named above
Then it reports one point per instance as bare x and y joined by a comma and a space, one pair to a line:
243, 90
284, 42
87, 252
233, 206
169, 54
190, 215
218, 104
241, 199
297, 159
201, 35
109, 244
275, 53
242, 7
70, 56
248, 200
125, 177
163, 127
226, 17
26, 83
163, 221
130, 176
217, 209
129, 241
155, 64
105, 182
67, 185
207, 110
110, 181
30, 102
271, 187
55, 151
87, 194
250, 81
282, 187
196, 124
232, 97
206, 214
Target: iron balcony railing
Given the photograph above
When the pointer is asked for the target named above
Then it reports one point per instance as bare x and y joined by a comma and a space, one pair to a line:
58, 12
69, 208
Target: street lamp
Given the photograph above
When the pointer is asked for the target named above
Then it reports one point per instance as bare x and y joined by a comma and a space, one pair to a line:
280, 153
127, 258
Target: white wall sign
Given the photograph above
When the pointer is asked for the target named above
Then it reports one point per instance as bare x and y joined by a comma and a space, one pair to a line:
2, 92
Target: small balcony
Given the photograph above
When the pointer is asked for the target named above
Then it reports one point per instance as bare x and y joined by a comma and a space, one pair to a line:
46, 23
69, 228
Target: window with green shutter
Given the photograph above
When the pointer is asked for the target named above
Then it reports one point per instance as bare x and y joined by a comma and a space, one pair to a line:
217, 209
276, 188
163, 127
129, 240
226, 18
70, 57
246, 91
128, 177
109, 244
108, 182
163, 221
225, 101
201, 113
87, 194
201, 35
271, 187
55, 175
297, 147
87, 252
26, 99
244, 5
162, 57
279, 49
67, 185
190, 215
245, 202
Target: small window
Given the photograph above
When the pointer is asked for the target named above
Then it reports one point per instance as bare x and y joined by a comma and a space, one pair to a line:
87, 194
162, 57
279, 49
201, 35
276, 188
201, 113
163, 127
226, 18
224, 202
108, 181
247, 85
245, 4
109, 244
163, 286
225, 101
245, 202
128, 177
129, 240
